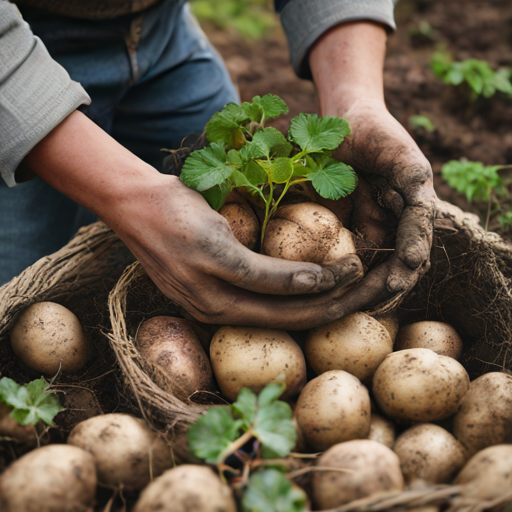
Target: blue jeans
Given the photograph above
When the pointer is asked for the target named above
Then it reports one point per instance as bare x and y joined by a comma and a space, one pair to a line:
153, 79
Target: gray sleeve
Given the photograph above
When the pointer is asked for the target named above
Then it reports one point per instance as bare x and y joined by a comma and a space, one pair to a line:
36, 93
304, 21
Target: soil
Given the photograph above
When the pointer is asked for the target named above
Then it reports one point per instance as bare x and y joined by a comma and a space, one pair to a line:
477, 130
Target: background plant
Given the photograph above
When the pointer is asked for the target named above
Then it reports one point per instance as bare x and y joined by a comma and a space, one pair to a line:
420, 123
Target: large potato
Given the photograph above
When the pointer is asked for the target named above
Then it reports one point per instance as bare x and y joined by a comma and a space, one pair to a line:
307, 232
356, 344
437, 336
55, 478
333, 408
186, 488
382, 430
243, 223
488, 474
249, 357
373, 468
174, 355
126, 451
390, 322
430, 453
419, 385
48, 337
485, 416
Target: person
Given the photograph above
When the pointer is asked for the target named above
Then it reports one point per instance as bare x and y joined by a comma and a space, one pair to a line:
153, 78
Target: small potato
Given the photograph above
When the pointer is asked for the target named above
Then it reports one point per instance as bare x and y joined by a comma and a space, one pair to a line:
249, 357
419, 385
243, 223
55, 478
374, 468
333, 408
430, 453
382, 430
488, 474
186, 488
485, 416
356, 344
174, 355
11, 429
307, 232
126, 451
48, 337
437, 336
390, 322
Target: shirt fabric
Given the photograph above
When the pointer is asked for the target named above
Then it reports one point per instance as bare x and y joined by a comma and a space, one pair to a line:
36, 93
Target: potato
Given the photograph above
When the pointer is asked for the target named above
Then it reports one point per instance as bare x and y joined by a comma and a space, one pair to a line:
382, 430
390, 322
243, 223
48, 337
250, 357
488, 474
307, 232
123, 448
186, 488
356, 344
55, 478
174, 355
430, 453
333, 408
374, 469
485, 416
12, 430
437, 336
419, 385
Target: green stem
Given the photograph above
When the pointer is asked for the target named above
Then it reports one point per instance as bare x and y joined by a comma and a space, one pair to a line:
268, 202
234, 446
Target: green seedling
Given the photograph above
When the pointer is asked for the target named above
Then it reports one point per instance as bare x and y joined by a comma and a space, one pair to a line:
481, 183
477, 74
244, 154
224, 430
419, 123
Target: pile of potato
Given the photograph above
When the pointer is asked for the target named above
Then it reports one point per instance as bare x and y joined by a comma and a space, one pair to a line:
369, 379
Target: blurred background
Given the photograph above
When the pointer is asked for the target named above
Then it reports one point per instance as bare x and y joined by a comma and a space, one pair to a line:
447, 80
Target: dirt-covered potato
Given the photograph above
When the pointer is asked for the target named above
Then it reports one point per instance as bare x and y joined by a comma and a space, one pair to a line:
382, 430
419, 385
249, 357
485, 416
126, 451
55, 478
186, 488
307, 232
437, 336
333, 408
243, 223
48, 337
12, 430
356, 344
374, 468
488, 474
430, 453
174, 356
390, 322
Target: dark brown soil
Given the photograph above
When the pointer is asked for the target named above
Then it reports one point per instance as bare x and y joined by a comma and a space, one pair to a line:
479, 131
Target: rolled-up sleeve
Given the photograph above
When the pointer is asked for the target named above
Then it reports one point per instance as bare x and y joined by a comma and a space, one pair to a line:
304, 21
36, 93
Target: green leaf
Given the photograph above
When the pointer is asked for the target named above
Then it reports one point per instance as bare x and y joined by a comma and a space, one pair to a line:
213, 433
313, 133
333, 179
234, 158
246, 406
255, 173
8, 389
275, 429
271, 491
253, 111
216, 196
421, 122
225, 126
281, 170
206, 168
271, 105
271, 392
252, 151
272, 143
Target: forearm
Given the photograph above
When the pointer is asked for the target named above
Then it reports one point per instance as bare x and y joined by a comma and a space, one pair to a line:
347, 64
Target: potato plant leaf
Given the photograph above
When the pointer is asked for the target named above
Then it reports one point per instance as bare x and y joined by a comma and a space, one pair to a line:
213, 432
281, 170
30, 403
272, 142
224, 126
334, 180
271, 491
216, 196
271, 105
313, 133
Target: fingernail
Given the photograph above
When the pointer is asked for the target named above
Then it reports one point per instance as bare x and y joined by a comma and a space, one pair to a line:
395, 284
305, 280
413, 258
